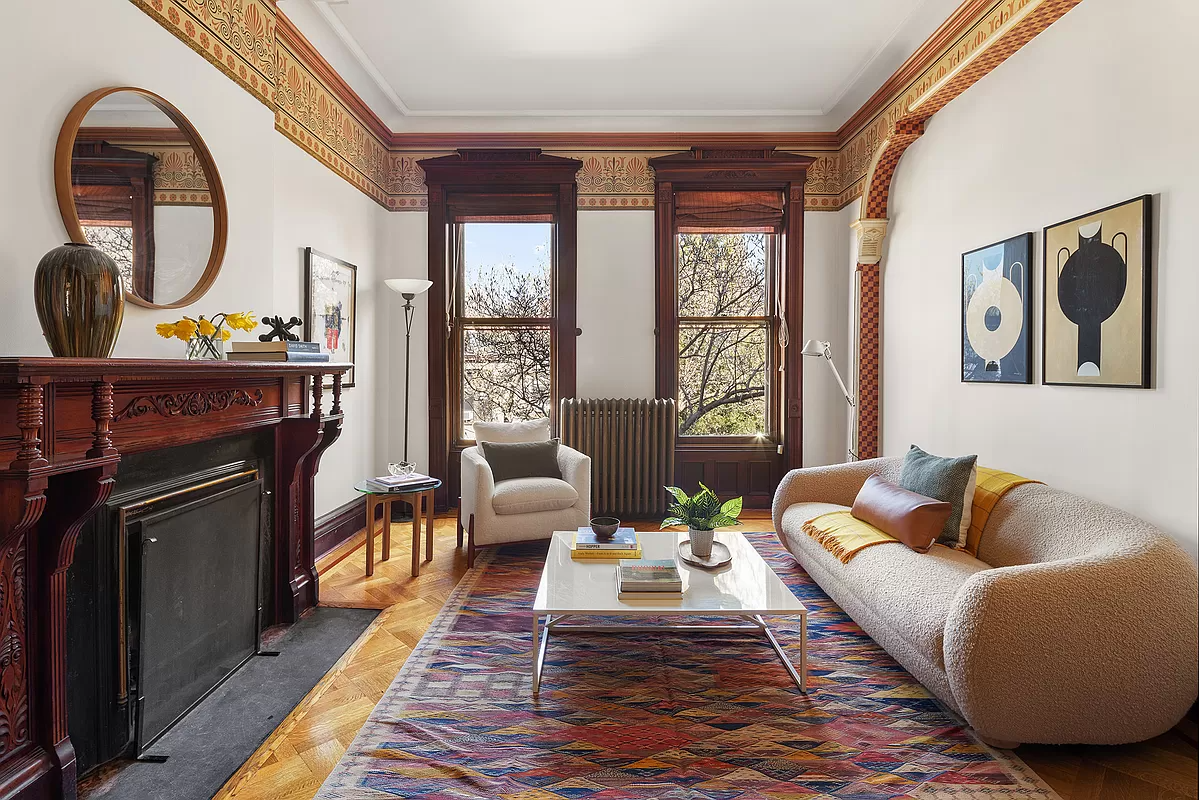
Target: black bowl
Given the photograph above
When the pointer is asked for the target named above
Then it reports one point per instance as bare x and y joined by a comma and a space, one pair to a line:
605, 527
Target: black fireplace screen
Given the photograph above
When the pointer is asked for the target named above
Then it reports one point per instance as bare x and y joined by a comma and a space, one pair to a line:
199, 603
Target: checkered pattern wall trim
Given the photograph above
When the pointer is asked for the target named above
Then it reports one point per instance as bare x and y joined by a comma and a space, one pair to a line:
869, 319
876, 200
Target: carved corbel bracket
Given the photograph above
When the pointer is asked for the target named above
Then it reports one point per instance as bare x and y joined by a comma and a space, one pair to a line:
871, 233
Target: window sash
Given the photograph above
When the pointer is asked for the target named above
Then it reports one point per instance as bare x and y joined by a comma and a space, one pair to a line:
460, 323
770, 319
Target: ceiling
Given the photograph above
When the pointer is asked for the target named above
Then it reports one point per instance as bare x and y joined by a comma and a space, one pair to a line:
624, 64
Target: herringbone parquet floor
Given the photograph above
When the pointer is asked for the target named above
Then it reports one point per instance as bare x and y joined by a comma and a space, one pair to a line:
294, 761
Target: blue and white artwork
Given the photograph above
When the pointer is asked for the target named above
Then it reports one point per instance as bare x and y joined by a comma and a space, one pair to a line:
997, 312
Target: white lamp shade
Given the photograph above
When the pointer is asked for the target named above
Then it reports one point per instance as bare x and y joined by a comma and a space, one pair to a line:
408, 285
813, 348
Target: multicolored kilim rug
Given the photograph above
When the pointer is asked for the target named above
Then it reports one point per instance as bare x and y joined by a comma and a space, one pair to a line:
681, 717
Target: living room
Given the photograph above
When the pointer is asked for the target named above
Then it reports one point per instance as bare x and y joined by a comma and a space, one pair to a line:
374, 318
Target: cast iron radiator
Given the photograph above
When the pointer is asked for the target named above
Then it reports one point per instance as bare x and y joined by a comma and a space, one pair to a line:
631, 444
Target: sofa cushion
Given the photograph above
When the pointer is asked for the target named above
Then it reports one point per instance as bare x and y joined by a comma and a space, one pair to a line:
911, 593
536, 430
530, 495
949, 479
911, 518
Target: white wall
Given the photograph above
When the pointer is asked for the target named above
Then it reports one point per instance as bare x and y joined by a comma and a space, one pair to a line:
316, 208
1096, 110
616, 304
828, 269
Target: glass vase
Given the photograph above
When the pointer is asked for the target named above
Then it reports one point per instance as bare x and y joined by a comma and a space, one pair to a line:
205, 348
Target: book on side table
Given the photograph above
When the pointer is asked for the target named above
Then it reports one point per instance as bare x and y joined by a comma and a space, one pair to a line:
401, 483
649, 575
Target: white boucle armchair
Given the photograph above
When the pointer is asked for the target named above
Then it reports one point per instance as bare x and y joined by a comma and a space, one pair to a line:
520, 509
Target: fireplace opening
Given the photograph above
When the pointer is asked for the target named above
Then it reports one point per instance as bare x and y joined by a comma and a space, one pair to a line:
167, 596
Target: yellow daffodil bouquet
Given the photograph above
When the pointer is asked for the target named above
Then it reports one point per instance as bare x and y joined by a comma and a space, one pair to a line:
205, 337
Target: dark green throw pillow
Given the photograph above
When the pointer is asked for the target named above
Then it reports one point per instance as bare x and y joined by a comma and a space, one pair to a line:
950, 480
522, 459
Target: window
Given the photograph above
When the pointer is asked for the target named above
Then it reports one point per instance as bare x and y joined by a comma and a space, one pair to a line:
505, 322
728, 253
502, 247
116, 240
725, 333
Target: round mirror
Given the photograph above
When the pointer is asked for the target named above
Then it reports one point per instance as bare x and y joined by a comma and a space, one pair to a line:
134, 179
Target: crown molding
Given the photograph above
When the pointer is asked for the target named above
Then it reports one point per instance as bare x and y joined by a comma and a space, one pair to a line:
942, 39
259, 47
287, 32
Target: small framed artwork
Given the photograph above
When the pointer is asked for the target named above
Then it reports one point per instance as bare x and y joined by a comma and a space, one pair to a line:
1097, 298
997, 312
330, 307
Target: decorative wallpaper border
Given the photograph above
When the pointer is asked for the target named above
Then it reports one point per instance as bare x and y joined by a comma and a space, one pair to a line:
256, 45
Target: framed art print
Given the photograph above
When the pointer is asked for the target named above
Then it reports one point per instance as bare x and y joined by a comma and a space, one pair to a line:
330, 308
997, 312
1097, 298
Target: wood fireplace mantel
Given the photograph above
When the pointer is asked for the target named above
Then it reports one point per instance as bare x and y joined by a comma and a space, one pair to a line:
64, 424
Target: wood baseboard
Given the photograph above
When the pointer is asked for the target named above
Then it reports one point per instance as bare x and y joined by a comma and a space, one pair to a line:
339, 525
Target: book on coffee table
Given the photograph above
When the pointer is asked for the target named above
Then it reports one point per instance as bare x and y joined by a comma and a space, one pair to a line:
648, 575
623, 539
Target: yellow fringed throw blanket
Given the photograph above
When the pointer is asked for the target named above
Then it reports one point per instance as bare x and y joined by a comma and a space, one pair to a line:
844, 535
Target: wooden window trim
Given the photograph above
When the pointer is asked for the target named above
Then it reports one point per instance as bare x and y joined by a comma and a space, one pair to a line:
722, 169
494, 183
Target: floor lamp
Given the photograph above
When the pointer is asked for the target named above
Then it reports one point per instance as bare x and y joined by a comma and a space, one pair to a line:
408, 288
817, 349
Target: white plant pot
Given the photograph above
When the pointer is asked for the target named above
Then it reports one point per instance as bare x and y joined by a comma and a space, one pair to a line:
701, 542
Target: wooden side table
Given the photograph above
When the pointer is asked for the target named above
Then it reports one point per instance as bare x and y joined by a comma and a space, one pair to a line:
376, 498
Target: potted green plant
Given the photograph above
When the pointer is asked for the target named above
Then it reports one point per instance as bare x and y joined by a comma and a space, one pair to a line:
702, 513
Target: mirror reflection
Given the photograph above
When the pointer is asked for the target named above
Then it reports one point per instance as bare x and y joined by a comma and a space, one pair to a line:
142, 197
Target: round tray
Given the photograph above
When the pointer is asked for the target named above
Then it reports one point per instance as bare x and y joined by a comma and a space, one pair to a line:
721, 555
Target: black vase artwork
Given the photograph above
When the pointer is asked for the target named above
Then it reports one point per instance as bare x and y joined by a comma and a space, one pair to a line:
1090, 287
1097, 298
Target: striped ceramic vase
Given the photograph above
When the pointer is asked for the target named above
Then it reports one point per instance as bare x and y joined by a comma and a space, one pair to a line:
80, 301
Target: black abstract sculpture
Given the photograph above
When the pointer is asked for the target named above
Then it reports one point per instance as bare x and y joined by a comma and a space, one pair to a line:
281, 329
1090, 287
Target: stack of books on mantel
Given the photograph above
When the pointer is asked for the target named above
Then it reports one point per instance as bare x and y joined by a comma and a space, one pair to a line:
277, 351
587, 546
401, 483
649, 575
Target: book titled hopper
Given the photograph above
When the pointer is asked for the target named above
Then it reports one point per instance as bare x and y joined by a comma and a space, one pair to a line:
648, 575
623, 539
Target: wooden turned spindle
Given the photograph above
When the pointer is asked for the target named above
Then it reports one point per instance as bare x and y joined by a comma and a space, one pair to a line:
318, 386
102, 415
30, 416
336, 394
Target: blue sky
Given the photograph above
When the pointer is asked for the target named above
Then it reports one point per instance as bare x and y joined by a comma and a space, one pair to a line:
525, 244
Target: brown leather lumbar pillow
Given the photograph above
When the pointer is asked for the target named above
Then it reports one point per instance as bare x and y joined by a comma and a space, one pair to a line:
911, 518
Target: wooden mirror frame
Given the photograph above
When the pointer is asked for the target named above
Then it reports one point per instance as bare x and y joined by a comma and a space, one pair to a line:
66, 198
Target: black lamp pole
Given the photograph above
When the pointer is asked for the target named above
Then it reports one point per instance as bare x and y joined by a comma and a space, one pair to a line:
409, 310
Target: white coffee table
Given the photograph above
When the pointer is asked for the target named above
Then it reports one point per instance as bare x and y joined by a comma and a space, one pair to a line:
746, 590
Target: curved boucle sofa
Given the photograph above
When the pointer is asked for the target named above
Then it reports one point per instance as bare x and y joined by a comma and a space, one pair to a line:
1077, 623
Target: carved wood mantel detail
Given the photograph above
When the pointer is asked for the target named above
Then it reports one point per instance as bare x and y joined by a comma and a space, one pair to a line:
190, 404
60, 445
